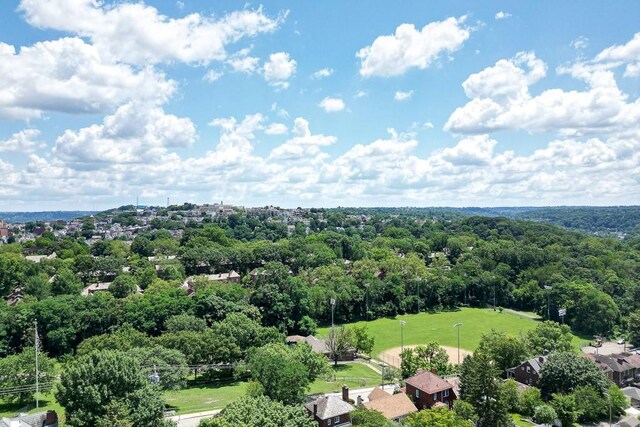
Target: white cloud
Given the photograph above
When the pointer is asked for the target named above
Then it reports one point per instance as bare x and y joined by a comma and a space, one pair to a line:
501, 99
361, 94
579, 43
474, 150
137, 33
303, 145
276, 129
68, 75
502, 15
393, 55
242, 62
135, 133
212, 76
281, 112
428, 125
332, 105
628, 53
279, 69
320, 74
25, 141
402, 96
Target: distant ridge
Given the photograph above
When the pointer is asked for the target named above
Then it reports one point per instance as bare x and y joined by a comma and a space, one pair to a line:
17, 217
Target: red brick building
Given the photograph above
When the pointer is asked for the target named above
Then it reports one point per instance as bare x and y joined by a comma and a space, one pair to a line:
426, 389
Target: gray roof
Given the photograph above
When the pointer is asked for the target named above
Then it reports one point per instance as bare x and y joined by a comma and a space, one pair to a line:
25, 420
329, 406
629, 421
535, 363
632, 393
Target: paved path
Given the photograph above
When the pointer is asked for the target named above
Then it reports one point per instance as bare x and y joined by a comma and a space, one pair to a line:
192, 420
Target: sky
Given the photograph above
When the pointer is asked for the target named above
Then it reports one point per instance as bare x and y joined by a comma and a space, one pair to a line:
332, 103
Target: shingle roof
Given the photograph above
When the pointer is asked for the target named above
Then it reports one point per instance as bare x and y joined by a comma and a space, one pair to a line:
632, 393
428, 382
393, 406
378, 393
629, 421
329, 406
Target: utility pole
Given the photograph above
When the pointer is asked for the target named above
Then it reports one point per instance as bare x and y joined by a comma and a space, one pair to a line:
35, 329
457, 326
333, 304
402, 323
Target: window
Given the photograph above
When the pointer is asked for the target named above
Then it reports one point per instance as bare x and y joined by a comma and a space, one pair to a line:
435, 396
329, 422
417, 393
528, 369
445, 393
336, 419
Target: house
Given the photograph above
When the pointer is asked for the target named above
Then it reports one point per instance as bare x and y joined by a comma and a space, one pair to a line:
320, 346
528, 372
633, 393
426, 389
331, 411
16, 296
394, 407
40, 419
101, 287
38, 258
622, 369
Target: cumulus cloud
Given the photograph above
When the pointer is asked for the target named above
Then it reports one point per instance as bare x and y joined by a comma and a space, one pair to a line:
320, 74
502, 15
242, 62
332, 105
135, 133
212, 76
137, 33
501, 99
279, 69
25, 141
361, 94
71, 76
395, 54
402, 96
628, 53
303, 145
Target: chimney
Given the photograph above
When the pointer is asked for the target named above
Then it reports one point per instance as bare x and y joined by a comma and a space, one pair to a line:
345, 393
315, 409
359, 400
541, 359
433, 371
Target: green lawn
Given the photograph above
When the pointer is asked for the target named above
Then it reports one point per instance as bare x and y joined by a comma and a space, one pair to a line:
204, 397
520, 422
425, 327
47, 401
354, 375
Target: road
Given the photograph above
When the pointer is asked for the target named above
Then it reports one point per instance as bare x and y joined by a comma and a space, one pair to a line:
192, 420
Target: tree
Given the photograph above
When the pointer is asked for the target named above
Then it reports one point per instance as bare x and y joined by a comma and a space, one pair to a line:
465, 410
617, 399
565, 407
339, 342
185, 322
426, 357
564, 372
545, 414
591, 406
480, 387
511, 395
284, 372
124, 339
362, 341
549, 336
437, 417
169, 363
364, 417
123, 286
90, 383
633, 328
18, 372
505, 350
529, 400
65, 282
260, 412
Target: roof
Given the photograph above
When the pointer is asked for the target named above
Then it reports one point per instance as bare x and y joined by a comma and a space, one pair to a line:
428, 382
615, 362
329, 406
535, 363
392, 406
378, 393
25, 420
630, 421
631, 393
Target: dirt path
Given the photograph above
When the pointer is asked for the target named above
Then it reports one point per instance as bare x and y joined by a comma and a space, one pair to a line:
392, 356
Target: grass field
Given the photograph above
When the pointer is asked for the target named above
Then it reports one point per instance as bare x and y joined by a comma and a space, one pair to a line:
426, 327
354, 375
47, 401
204, 397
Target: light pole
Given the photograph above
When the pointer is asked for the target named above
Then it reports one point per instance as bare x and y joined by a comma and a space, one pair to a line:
366, 298
609, 398
548, 289
333, 304
457, 326
402, 323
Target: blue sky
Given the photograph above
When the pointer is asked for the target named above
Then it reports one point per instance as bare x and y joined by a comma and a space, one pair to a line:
331, 103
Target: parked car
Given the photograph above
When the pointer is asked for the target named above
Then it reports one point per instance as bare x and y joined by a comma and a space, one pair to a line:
621, 341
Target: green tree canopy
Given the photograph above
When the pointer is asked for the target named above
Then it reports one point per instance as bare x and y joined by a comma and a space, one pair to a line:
260, 412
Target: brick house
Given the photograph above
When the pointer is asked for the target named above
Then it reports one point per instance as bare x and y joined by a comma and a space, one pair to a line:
528, 372
622, 369
426, 389
331, 411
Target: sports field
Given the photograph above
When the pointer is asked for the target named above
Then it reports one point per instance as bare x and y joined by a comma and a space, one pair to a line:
426, 327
